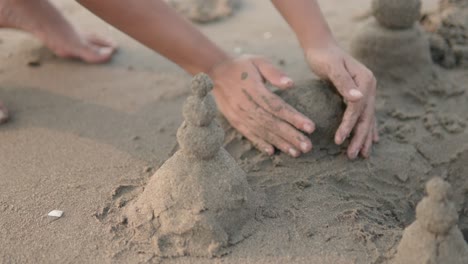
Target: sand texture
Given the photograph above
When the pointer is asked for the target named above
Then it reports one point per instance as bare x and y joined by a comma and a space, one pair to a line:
87, 140
204, 11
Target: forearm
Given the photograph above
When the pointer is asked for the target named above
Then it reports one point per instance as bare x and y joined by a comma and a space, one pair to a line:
156, 25
307, 21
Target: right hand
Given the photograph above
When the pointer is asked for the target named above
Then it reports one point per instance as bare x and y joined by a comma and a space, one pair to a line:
257, 113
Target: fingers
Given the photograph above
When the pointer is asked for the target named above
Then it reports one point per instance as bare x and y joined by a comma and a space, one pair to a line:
350, 118
272, 74
366, 148
283, 130
278, 108
345, 84
257, 141
376, 136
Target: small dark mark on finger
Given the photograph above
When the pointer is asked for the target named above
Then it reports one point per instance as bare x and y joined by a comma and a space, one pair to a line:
244, 75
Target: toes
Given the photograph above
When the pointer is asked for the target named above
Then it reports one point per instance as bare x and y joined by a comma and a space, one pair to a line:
96, 54
97, 49
100, 41
3, 113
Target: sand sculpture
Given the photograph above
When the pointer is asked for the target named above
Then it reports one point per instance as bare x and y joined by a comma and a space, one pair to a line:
198, 202
204, 11
319, 101
434, 237
448, 28
394, 47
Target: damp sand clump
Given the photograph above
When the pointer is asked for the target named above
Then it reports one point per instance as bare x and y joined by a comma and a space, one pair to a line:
198, 202
396, 14
319, 101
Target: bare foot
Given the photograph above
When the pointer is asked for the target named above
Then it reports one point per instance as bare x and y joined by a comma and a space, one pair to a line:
3, 113
42, 19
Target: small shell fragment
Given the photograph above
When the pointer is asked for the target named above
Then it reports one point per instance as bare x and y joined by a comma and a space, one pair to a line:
55, 213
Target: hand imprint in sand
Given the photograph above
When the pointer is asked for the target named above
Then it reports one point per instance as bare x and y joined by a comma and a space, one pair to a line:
357, 85
260, 115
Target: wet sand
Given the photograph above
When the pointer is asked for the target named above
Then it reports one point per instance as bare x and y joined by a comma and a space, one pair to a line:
85, 137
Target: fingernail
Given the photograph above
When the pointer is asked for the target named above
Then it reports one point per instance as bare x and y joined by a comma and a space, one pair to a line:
267, 151
308, 128
286, 81
293, 152
355, 93
354, 154
105, 51
304, 146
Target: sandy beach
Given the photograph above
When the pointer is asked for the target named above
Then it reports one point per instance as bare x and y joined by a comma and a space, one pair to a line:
83, 138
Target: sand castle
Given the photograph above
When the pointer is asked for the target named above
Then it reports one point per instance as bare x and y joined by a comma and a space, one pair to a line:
394, 47
198, 202
448, 28
204, 11
434, 237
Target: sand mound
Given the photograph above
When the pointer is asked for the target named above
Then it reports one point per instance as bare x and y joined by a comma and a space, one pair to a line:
448, 27
434, 237
319, 101
204, 11
198, 202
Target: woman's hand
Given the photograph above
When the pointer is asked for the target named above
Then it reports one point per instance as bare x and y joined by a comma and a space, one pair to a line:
257, 113
357, 85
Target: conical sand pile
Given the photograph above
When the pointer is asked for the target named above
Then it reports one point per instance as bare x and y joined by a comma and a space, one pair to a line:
198, 202
434, 237
394, 47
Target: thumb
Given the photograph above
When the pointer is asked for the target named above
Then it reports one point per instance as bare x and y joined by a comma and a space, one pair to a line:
345, 84
272, 74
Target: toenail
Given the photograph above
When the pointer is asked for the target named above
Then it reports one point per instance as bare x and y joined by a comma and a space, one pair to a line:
104, 51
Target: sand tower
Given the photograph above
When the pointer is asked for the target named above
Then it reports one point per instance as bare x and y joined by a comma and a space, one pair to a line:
198, 202
434, 237
393, 45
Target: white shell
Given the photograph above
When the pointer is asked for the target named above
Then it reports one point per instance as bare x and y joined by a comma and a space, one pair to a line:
55, 213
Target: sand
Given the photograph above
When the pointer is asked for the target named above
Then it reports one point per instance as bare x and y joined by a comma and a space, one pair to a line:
89, 139
204, 11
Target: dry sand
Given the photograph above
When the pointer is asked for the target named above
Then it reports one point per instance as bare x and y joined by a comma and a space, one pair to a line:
83, 138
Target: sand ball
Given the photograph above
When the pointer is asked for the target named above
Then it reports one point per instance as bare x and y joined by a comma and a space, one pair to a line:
438, 189
397, 14
200, 142
199, 111
201, 85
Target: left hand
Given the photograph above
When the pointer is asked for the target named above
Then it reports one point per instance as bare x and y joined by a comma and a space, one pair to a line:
357, 85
